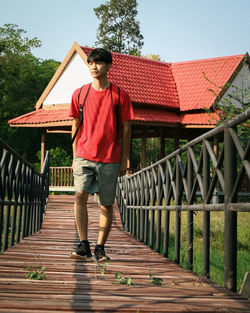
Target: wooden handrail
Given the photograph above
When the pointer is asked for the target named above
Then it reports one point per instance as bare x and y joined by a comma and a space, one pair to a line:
61, 176
23, 194
186, 180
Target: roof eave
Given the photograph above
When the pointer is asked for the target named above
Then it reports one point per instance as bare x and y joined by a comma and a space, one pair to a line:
42, 125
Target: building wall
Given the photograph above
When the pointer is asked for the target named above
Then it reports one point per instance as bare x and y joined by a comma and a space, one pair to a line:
75, 74
242, 81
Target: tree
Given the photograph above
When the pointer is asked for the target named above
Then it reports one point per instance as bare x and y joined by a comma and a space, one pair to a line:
154, 57
119, 31
13, 42
23, 78
236, 101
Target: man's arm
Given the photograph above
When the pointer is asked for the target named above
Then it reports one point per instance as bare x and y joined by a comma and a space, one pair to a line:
75, 125
125, 147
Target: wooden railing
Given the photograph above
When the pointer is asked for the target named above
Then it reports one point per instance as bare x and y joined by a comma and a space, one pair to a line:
61, 176
186, 180
23, 196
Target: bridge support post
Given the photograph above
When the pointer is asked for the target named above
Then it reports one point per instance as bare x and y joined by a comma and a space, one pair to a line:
230, 221
190, 216
43, 147
206, 214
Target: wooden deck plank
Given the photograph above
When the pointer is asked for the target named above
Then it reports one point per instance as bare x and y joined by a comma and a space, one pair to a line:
77, 286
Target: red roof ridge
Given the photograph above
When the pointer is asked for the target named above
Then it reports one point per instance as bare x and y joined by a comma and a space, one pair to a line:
210, 59
132, 56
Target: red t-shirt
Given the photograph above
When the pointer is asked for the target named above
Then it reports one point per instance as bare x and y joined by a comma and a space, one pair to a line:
99, 140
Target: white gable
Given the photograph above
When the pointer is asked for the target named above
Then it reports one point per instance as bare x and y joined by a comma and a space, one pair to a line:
242, 81
75, 74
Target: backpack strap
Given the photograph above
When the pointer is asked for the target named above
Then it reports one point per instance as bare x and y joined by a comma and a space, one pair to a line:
81, 110
116, 109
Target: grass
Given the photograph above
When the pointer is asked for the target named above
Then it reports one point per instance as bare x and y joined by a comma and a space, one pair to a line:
216, 244
35, 273
121, 280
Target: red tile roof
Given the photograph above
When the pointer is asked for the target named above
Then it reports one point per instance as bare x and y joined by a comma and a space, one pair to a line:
42, 116
192, 86
199, 118
179, 85
146, 81
159, 115
160, 92
142, 114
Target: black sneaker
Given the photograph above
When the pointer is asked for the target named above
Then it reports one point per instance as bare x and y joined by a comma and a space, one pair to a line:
100, 254
83, 251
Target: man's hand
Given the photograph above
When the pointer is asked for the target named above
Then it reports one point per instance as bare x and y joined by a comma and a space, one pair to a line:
123, 168
75, 125
125, 147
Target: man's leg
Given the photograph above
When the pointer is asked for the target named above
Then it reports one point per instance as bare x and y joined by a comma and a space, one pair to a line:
107, 180
81, 218
105, 223
81, 214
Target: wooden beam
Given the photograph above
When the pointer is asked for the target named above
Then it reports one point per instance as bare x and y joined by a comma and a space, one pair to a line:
143, 150
162, 151
41, 125
130, 147
43, 147
58, 131
199, 126
177, 140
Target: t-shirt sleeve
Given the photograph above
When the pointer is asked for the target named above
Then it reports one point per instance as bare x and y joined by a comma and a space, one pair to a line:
74, 106
126, 109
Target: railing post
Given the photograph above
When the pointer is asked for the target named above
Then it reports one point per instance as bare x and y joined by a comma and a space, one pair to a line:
190, 215
206, 214
142, 211
152, 219
167, 215
159, 212
178, 214
146, 199
230, 226
123, 201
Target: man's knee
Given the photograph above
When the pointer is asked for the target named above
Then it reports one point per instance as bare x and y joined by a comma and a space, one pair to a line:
81, 197
108, 209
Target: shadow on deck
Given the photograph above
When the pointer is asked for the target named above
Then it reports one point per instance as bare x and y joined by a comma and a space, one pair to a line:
77, 286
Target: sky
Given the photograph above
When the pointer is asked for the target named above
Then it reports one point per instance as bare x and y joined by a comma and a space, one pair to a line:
176, 30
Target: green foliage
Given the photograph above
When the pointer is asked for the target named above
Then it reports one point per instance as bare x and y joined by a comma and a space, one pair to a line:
232, 103
122, 280
155, 280
13, 42
235, 102
23, 78
118, 30
135, 153
35, 273
154, 57
58, 157
216, 244
153, 151
102, 267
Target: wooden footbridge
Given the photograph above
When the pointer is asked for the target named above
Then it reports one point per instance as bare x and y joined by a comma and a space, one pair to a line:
77, 286
37, 233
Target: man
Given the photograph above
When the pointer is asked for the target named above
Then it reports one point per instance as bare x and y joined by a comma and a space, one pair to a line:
98, 153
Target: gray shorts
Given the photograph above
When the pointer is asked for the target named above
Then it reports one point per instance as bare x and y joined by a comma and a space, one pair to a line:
96, 178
